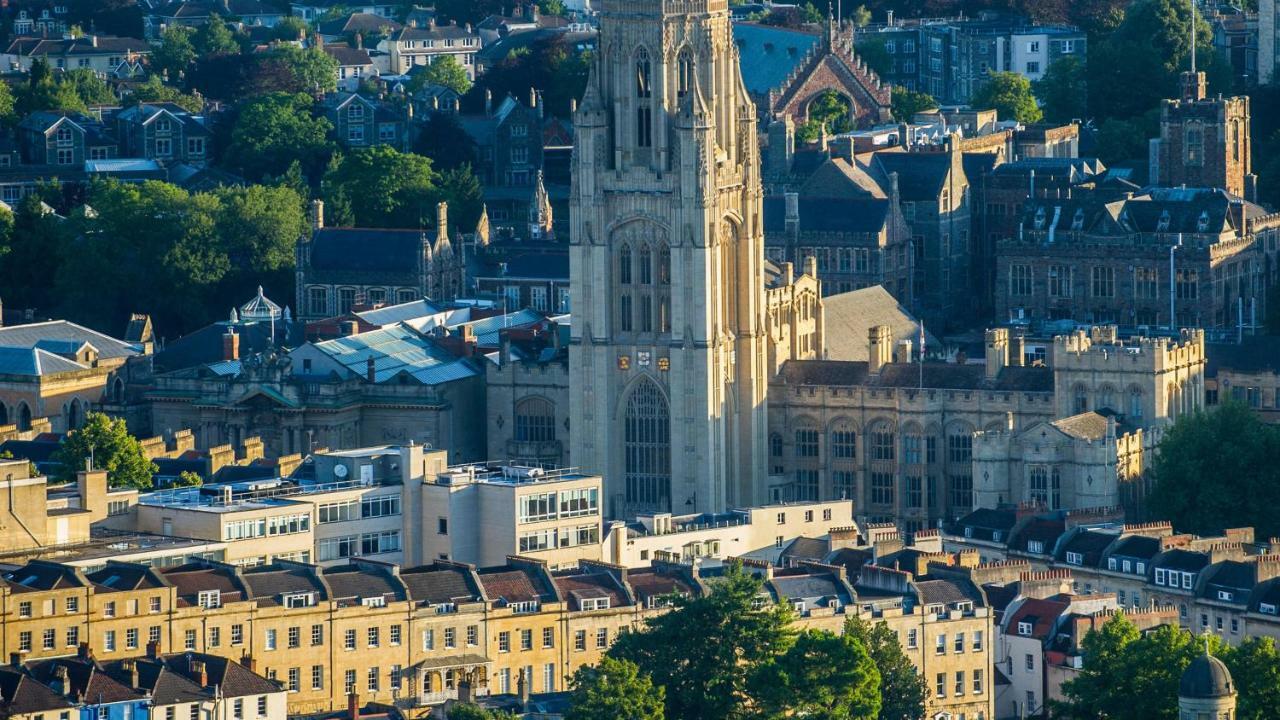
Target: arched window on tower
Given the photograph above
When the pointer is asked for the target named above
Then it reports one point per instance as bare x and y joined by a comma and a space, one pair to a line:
646, 265
684, 73
624, 264
647, 447
1135, 404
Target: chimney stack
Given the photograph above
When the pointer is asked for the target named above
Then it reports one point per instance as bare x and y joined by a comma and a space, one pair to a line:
231, 344
317, 214
997, 351
879, 348
153, 650
369, 369
353, 705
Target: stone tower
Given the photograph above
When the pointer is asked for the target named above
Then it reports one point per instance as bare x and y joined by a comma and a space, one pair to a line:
666, 265
1204, 142
1206, 691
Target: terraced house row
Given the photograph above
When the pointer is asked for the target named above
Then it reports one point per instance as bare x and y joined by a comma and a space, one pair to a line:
416, 637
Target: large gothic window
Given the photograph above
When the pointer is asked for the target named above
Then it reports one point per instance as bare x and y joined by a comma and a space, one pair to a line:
646, 265
647, 442
644, 75
535, 420
664, 265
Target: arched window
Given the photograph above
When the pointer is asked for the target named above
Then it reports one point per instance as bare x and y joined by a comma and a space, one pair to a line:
535, 420
73, 415
1135, 403
624, 313
775, 444
624, 264
844, 443
1079, 399
644, 76
117, 391
684, 73
644, 90
1107, 399
647, 447
646, 265
24, 416
664, 265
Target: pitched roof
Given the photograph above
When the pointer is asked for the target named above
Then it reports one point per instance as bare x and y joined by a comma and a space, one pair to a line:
921, 175
348, 56
1090, 426
34, 362
513, 585
577, 587
192, 578
353, 583
850, 315
358, 22
767, 55
33, 334
439, 585
1090, 544
949, 592
268, 582
834, 215
86, 45
361, 250
1041, 614
1137, 546
24, 695
1183, 560
397, 349
87, 679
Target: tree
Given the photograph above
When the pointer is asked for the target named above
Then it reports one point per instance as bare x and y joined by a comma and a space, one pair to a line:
1216, 469
1255, 668
1010, 95
175, 53
903, 690
446, 71
550, 64
91, 89
861, 16
214, 37
703, 651
1061, 91
468, 711
875, 54
154, 91
821, 676
110, 446
186, 478
1120, 140
290, 28
274, 130
906, 103
831, 112
35, 247
461, 189
444, 141
383, 187
614, 689
258, 228
6, 104
312, 69
43, 92
552, 7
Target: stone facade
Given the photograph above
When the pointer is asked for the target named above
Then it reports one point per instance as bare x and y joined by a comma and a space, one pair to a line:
1204, 142
668, 358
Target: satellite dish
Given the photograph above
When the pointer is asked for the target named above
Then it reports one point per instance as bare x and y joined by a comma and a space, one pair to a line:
340, 471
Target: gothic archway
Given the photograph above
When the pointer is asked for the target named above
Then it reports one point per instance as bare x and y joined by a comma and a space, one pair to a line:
647, 447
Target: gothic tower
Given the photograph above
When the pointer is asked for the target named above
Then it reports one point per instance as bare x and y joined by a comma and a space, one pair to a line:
667, 368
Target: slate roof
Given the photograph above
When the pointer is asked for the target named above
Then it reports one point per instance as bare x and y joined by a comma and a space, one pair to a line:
850, 315
125, 576
937, 376
513, 586
921, 175
31, 335
1088, 543
358, 22
1182, 560
803, 548
990, 519
839, 178
810, 587
39, 575
163, 685
949, 592
348, 250
1038, 530
1258, 354
835, 215
577, 587
231, 678
351, 584
850, 559
439, 584
41, 47
24, 695
190, 579
87, 680
1042, 614
348, 56
1235, 575
204, 346
530, 266
34, 362
438, 32
647, 584
1137, 546
266, 583
767, 55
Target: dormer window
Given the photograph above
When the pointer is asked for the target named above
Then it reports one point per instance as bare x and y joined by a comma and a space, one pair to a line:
1075, 558
1077, 220
964, 606
299, 600
1035, 546
595, 604
1024, 629
374, 602
1041, 217
446, 608
1202, 223
1162, 225
1226, 595
209, 599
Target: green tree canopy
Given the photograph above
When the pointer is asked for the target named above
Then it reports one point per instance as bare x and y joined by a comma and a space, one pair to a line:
1061, 91
35, 247
274, 130
155, 91
383, 187
446, 71
444, 141
551, 65
1010, 95
186, 478
1216, 469
821, 676
175, 53
906, 103
214, 37
91, 89
903, 691
6, 104
875, 54
312, 69
703, 652
290, 28
43, 92
614, 689
110, 446
1255, 669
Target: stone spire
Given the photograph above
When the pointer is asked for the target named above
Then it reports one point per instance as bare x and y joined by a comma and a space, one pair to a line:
539, 211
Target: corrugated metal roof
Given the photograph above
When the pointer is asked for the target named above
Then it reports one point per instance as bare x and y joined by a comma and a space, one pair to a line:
393, 314
396, 349
769, 54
